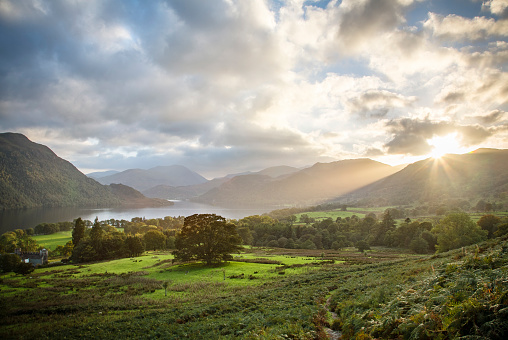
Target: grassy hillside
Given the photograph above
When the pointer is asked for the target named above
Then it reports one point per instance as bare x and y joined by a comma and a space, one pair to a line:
475, 175
31, 175
380, 294
53, 240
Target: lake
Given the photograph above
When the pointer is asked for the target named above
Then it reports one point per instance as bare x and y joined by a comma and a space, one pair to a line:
29, 218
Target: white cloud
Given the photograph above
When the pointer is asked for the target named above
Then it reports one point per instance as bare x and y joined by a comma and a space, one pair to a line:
454, 27
230, 84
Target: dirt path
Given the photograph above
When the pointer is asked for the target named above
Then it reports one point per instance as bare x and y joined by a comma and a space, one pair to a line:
332, 335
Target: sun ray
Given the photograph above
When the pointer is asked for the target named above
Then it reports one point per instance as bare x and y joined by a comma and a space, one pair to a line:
442, 145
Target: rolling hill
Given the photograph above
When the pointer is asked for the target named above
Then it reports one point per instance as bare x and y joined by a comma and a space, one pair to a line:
482, 173
308, 186
32, 175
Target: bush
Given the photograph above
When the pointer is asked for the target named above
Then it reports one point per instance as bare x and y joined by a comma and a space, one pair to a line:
24, 268
362, 245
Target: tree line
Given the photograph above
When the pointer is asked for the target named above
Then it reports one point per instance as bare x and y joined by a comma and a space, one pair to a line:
454, 230
103, 240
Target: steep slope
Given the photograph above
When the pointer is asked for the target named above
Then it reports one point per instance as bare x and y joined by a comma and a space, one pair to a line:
309, 186
174, 175
31, 175
481, 173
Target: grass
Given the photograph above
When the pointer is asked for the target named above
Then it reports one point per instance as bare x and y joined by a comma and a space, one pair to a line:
52, 241
265, 293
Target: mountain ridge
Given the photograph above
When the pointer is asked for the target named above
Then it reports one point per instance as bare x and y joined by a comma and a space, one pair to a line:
483, 172
140, 179
32, 175
308, 186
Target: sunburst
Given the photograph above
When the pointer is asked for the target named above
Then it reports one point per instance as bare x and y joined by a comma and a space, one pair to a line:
442, 145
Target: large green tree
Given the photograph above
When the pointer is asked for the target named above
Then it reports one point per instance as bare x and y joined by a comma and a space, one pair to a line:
457, 230
154, 240
489, 223
78, 232
208, 238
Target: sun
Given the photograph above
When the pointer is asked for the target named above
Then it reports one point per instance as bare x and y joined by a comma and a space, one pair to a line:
442, 145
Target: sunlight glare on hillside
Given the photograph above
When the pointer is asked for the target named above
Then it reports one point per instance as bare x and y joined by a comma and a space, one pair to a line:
442, 145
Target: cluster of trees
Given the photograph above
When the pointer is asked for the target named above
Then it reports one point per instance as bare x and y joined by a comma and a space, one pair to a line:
18, 238
452, 231
103, 241
9, 241
51, 228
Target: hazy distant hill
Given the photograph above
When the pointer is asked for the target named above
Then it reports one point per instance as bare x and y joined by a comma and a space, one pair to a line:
277, 171
100, 174
132, 198
309, 186
31, 175
482, 173
190, 191
174, 175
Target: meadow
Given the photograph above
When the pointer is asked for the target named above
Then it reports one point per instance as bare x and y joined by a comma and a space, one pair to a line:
266, 293
53, 240
261, 291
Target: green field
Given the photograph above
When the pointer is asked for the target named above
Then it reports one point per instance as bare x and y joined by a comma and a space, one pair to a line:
265, 294
52, 241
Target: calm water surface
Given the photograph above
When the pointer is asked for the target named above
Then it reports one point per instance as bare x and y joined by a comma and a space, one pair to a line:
29, 218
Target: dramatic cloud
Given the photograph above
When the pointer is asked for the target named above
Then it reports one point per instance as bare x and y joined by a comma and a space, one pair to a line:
226, 86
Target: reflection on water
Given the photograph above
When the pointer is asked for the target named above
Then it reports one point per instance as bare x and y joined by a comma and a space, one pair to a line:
29, 218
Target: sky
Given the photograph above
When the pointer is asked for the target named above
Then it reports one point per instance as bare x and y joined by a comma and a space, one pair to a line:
226, 86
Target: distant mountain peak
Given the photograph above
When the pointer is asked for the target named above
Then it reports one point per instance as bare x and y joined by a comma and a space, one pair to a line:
142, 180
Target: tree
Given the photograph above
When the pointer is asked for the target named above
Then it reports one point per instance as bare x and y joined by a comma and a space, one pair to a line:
362, 245
24, 268
386, 225
207, 237
419, 245
9, 262
154, 240
78, 232
96, 235
134, 246
457, 230
489, 223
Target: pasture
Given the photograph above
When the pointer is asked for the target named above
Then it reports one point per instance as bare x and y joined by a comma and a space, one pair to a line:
53, 240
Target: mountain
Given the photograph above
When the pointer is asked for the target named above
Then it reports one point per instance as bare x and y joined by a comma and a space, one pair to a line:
174, 175
100, 174
32, 175
308, 186
191, 191
277, 171
130, 197
482, 173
